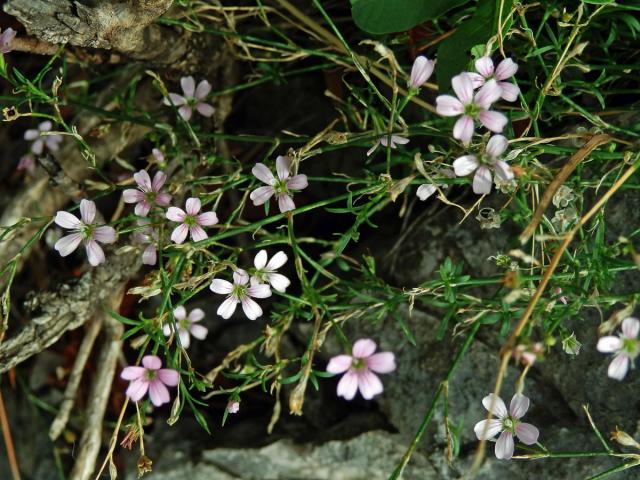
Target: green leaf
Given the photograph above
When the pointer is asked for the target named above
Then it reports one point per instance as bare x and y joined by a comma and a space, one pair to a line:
453, 53
387, 16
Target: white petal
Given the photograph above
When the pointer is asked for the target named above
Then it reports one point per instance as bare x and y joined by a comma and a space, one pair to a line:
499, 408
609, 344
465, 165
630, 327
527, 433
369, 384
261, 290
494, 121
484, 66
143, 180
503, 170
262, 195
251, 309
482, 181
220, 286
339, 364
489, 93
203, 90
298, 182
95, 254
188, 85
383, 362
279, 282
196, 315
449, 106
262, 173
180, 233
66, 245
618, 367
240, 277
463, 86
425, 191
193, 206
283, 164
506, 68
205, 109
348, 385
463, 129
278, 260
260, 260
285, 203
510, 91
197, 233
67, 220
363, 348
226, 308
180, 313
519, 406
104, 234
504, 446
199, 331
497, 145
492, 426
176, 214
87, 211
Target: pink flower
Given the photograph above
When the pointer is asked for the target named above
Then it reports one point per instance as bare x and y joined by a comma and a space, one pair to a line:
147, 193
421, 71
158, 155
266, 271
625, 348
152, 378
507, 424
191, 222
427, 189
6, 40
507, 68
359, 368
193, 98
483, 164
240, 292
84, 230
27, 163
233, 406
41, 141
384, 140
187, 325
280, 187
149, 237
561, 298
471, 107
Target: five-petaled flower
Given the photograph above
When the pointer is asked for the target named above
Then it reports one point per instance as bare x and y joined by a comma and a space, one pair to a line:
152, 378
384, 141
421, 71
86, 230
40, 141
471, 106
483, 164
266, 270
359, 368
149, 237
625, 348
147, 193
280, 187
193, 98
190, 221
507, 424
6, 40
507, 68
187, 325
240, 292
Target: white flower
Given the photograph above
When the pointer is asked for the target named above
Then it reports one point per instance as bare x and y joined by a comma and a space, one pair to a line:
266, 270
187, 325
484, 163
507, 424
421, 70
51, 142
240, 292
625, 348
384, 140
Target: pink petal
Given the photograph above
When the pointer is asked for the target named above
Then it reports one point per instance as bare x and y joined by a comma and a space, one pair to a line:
185, 112
262, 173
383, 362
496, 146
158, 181
221, 286
196, 315
463, 86
261, 195
205, 109
285, 203
484, 66
188, 85
519, 406
151, 362
226, 308
494, 121
175, 99
67, 220
510, 91
477, 79
506, 68
132, 373
163, 199
463, 129
260, 290
369, 384
158, 393
283, 163
199, 331
158, 155
492, 426
363, 348
504, 446
630, 327
278, 260
421, 70
297, 182
348, 385
503, 171
67, 245
207, 219
197, 233
260, 260
142, 209
193, 206
499, 408
489, 93
95, 254
176, 214
180, 233
339, 364
87, 211
279, 282
132, 196
449, 106
251, 309
482, 181
609, 344
104, 234
143, 180
465, 165
204, 87
618, 367
527, 433
137, 389
169, 377
149, 256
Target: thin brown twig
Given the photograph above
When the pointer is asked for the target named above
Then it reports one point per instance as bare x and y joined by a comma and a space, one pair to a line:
8, 441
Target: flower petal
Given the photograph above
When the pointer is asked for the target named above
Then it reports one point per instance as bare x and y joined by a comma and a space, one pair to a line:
369, 384
251, 308
67, 220
298, 182
618, 367
421, 70
180, 313
132, 373
150, 255
132, 195
197, 233
449, 106
425, 191
37, 147
31, 134
484, 66
463, 129
630, 327
504, 446
609, 344
185, 112
151, 362
499, 408
185, 338
339, 364
104, 234
142, 208
158, 181
494, 121
261, 195
176, 214
260, 260
278, 260
226, 308
95, 254
503, 170
169, 376
482, 181
492, 426
174, 99
510, 91
193, 206
348, 385
278, 281
463, 86
196, 315
207, 219
163, 199
363, 348
188, 85
87, 211
518, 406
261, 290
489, 93
68, 244
137, 389
220, 286
205, 109
283, 164
262, 173
285, 203
240, 277
465, 165
203, 89
496, 146
527, 433
506, 68
199, 331
158, 393
143, 180
383, 362
180, 233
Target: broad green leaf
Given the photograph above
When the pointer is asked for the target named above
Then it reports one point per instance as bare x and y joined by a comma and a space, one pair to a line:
386, 16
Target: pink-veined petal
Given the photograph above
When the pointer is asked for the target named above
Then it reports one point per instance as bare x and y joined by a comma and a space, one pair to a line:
363, 348
518, 406
188, 85
278, 281
262, 173
348, 385
261, 290
176, 214
510, 91
251, 308
383, 362
197, 233
221, 286
477, 79
143, 180
158, 393
199, 331
463, 86
207, 219
104, 234
158, 181
163, 199
240, 277
67, 220
484, 66
261, 195
496, 146
492, 426
465, 165
283, 164
618, 367
507, 68
503, 170
482, 181
169, 376
425, 191
463, 129
421, 70
185, 111
132, 373
203, 89
180, 233
205, 109
285, 203
609, 344
150, 255
499, 408
87, 211
132, 195
68, 244
527, 433
175, 99
193, 206
630, 327
494, 121
489, 93
151, 362
95, 254
137, 389
180, 313
449, 106
339, 364
504, 446
369, 384
226, 308
142, 209
298, 182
